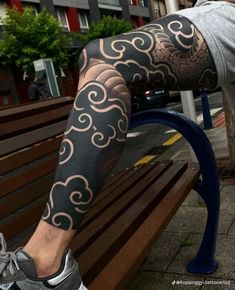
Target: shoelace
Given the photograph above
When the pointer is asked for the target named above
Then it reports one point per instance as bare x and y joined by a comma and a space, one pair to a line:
8, 260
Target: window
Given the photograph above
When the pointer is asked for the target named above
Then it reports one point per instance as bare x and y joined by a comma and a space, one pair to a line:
62, 18
109, 2
83, 19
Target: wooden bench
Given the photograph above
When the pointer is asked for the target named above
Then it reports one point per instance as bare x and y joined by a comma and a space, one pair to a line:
130, 212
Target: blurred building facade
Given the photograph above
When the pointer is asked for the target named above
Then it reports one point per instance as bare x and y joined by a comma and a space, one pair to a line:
76, 16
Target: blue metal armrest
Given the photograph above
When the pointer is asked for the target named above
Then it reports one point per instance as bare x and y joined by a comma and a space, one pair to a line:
207, 186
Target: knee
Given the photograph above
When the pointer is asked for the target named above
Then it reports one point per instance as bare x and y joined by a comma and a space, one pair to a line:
93, 65
90, 51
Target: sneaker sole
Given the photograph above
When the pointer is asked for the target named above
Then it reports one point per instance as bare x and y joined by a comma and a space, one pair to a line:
82, 287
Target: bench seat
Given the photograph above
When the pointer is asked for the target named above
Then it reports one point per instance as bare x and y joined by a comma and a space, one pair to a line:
132, 209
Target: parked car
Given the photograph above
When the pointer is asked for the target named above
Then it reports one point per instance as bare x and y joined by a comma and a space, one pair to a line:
149, 99
158, 98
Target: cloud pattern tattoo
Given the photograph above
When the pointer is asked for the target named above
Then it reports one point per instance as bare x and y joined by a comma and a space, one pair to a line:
98, 121
75, 187
99, 102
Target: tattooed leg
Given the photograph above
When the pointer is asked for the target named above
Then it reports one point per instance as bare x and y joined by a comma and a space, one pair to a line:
170, 54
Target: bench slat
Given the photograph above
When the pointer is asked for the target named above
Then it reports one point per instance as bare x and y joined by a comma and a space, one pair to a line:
23, 220
25, 196
26, 124
119, 176
20, 158
130, 177
19, 111
113, 178
18, 142
28, 175
124, 263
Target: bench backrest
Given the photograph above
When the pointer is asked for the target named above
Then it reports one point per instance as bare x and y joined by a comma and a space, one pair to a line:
30, 137
25, 125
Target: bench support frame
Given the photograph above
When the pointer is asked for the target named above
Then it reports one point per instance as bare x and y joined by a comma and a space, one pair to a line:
207, 187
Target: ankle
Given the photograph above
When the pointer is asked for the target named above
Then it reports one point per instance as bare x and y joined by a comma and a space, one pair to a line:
47, 247
46, 262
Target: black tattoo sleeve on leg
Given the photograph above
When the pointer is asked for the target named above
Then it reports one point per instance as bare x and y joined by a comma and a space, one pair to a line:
170, 54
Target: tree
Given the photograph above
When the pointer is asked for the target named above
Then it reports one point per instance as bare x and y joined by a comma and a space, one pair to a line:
27, 37
108, 26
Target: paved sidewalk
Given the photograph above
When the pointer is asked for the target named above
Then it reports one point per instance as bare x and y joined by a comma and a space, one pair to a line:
164, 268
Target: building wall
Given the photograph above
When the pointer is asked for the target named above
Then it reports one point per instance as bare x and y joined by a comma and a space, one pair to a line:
48, 4
125, 10
139, 11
